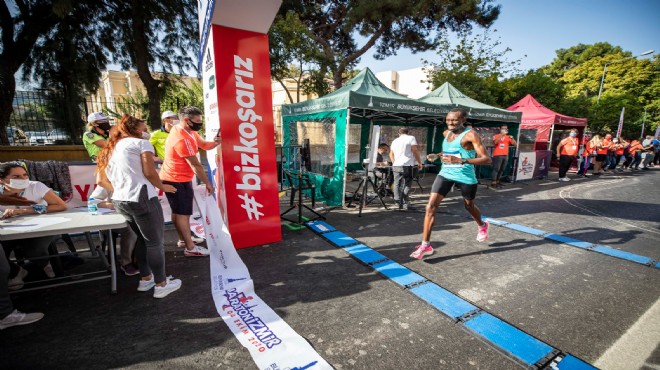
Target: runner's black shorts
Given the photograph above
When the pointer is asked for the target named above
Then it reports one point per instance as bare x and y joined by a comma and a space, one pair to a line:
181, 202
442, 187
600, 157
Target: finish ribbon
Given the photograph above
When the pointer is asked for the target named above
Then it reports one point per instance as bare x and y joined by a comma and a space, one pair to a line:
270, 340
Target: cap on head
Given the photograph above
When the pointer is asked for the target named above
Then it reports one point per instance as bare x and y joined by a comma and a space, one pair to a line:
168, 114
97, 116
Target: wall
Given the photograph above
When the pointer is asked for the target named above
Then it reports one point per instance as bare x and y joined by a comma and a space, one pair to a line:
63, 153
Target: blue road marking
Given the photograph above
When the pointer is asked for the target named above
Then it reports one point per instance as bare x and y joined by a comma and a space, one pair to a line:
446, 302
320, 227
397, 273
339, 239
577, 243
525, 229
573, 363
569, 241
509, 338
622, 254
364, 253
500, 334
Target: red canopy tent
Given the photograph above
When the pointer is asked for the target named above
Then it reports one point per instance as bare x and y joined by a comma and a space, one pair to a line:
544, 120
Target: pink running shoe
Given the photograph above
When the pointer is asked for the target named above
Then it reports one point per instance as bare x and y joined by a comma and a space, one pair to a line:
422, 251
482, 236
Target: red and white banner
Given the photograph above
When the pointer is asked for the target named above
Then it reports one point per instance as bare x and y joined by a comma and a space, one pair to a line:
272, 343
618, 130
83, 181
237, 86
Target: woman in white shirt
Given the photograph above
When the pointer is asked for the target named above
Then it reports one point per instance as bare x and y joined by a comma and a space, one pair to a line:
126, 169
14, 181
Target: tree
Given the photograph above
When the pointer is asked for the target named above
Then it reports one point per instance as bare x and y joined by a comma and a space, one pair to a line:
294, 56
150, 35
574, 56
474, 65
67, 63
386, 26
543, 87
22, 23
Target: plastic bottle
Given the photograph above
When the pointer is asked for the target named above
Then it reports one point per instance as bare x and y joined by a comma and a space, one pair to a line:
92, 207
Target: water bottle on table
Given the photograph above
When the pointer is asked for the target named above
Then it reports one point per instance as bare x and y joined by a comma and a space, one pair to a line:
92, 207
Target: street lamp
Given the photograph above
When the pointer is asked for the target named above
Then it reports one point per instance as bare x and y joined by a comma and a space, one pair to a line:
600, 90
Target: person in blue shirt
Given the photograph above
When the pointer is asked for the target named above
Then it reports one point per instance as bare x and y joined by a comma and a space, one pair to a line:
461, 151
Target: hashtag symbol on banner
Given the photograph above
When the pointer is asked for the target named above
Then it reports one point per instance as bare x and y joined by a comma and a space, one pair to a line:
251, 206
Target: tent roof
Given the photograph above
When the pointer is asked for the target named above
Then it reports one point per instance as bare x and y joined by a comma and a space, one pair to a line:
534, 113
369, 98
448, 95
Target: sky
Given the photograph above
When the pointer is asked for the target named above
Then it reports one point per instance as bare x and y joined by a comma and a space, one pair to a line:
537, 28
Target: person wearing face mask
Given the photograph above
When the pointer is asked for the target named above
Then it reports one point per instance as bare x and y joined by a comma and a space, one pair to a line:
461, 151
98, 129
501, 141
566, 152
180, 166
14, 181
158, 137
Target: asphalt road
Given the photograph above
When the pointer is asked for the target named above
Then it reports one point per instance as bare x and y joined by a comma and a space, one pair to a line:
602, 309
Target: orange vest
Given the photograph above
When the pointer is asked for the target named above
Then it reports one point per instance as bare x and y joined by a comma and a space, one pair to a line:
587, 149
606, 145
501, 143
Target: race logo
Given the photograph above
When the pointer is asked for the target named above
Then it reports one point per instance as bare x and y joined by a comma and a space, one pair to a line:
212, 82
526, 167
246, 322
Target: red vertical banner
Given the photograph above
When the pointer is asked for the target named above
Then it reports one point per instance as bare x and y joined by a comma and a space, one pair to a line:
249, 167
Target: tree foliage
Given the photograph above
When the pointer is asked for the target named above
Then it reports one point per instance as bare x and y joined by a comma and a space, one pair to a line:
151, 35
22, 24
474, 65
385, 27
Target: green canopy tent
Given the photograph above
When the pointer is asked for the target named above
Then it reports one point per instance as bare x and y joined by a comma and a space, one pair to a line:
339, 125
485, 119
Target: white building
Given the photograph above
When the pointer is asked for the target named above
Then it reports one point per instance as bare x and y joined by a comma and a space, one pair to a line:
410, 82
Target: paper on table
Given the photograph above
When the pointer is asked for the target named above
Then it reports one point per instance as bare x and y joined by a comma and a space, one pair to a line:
34, 223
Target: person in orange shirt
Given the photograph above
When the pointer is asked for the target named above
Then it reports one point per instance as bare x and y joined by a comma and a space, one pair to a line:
587, 154
180, 166
609, 155
601, 147
618, 144
502, 141
567, 150
635, 155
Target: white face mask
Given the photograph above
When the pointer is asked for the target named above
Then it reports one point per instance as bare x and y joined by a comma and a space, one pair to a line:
504, 131
573, 134
19, 183
175, 122
146, 135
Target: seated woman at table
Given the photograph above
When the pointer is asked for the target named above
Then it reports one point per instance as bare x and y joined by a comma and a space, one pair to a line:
14, 181
126, 169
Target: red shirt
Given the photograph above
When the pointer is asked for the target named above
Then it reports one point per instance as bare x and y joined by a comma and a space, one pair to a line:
569, 146
502, 143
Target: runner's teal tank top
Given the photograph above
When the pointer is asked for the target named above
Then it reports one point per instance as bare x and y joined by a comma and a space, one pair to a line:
463, 173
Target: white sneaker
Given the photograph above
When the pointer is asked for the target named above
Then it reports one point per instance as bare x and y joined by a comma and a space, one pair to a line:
17, 282
196, 240
163, 291
49, 271
146, 285
197, 251
564, 179
20, 318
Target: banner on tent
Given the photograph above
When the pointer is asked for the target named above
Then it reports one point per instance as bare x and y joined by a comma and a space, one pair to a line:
269, 339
